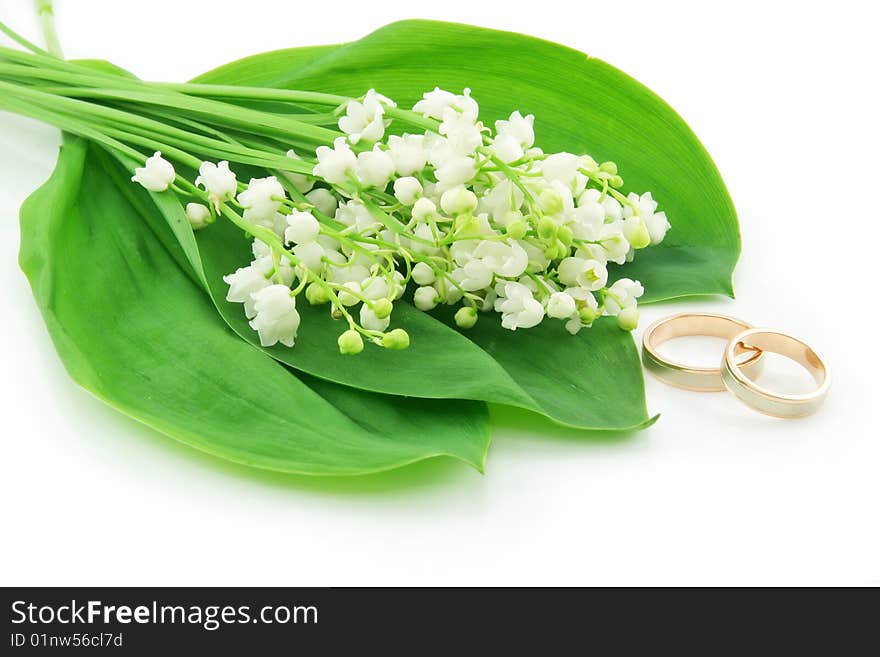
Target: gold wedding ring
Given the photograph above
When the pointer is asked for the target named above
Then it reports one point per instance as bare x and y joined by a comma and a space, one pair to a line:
701, 379
766, 401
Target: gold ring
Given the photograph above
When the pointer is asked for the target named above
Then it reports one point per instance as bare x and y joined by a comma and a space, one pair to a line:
700, 379
767, 401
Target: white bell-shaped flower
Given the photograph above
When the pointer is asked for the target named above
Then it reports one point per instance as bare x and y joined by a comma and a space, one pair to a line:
518, 308
323, 200
562, 167
507, 148
636, 232
475, 275
518, 127
364, 120
302, 227
614, 243
538, 260
658, 226
613, 209
463, 136
581, 272
656, 222
374, 168
218, 181
588, 309
574, 325
276, 317
501, 200
354, 213
156, 174
263, 257
246, 281
587, 219
561, 305
434, 103
408, 153
261, 200
507, 259
623, 294
336, 164
310, 255
456, 170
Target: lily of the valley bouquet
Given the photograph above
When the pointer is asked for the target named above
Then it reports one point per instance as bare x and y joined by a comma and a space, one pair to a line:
331, 262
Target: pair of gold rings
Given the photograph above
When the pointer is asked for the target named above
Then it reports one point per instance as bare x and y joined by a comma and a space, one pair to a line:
741, 364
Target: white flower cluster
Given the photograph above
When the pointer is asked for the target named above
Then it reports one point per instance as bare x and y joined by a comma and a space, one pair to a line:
485, 221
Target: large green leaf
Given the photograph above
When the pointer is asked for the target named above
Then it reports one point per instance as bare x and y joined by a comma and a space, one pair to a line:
581, 104
133, 329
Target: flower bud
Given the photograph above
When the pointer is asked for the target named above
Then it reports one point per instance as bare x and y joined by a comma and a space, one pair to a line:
346, 298
350, 342
422, 273
608, 167
588, 315
547, 228
561, 249
396, 287
382, 308
316, 294
323, 200
425, 298
198, 215
466, 317
615, 181
407, 190
423, 209
458, 200
370, 321
636, 232
589, 164
517, 229
396, 339
628, 318
556, 251
565, 235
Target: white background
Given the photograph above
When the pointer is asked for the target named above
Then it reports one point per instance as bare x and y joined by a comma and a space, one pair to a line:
780, 94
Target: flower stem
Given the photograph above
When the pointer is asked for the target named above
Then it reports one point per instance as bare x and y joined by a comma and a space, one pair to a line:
47, 22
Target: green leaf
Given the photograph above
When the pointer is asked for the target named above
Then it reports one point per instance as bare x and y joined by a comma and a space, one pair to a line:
133, 329
581, 104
